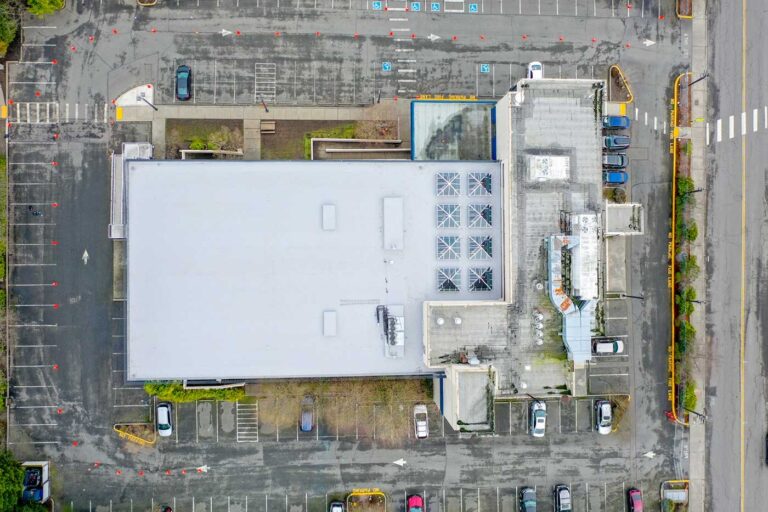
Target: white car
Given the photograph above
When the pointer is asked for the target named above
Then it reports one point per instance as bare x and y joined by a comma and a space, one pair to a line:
538, 418
609, 347
421, 421
164, 427
603, 417
535, 70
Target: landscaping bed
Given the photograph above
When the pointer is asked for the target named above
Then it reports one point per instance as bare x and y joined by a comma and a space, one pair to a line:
211, 134
684, 8
618, 87
683, 94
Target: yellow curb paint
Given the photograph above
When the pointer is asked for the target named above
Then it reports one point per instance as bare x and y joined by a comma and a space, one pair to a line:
4, 112
623, 109
119, 113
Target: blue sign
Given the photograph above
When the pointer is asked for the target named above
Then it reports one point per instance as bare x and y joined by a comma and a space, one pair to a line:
377, 5
435, 6
485, 68
416, 6
386, 66
473, 8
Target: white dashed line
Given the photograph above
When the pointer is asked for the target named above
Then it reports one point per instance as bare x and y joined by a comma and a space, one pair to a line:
655, 123
743, 123
730, 127
765, 117
719, 130
754, 120
707, 132
645, 116
637, 113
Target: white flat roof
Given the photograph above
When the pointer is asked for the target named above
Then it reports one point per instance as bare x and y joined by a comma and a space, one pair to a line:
243, 270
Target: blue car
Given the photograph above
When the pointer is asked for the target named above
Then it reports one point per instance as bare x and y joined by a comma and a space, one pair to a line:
616, 142
183, 83
616, 122
614, 177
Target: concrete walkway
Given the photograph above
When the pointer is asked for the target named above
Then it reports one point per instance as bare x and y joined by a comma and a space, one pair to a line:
252, 115
697, 464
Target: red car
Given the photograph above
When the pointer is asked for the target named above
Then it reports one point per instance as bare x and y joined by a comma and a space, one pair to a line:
635, 498
415, 503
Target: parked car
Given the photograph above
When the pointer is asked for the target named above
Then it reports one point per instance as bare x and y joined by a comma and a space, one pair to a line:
616, 142
421, 421
336, 506
615, 160
414, 503
603, 417
535, 70
612, 177
164, 426
183, 82
527, 499
538, 418
616, 122
307, 418
562, 497
609, 347
635, 498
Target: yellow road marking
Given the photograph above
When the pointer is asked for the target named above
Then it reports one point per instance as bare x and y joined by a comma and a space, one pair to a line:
119, 113
4, 112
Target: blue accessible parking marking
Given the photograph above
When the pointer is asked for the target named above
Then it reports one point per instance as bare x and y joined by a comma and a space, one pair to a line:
377, 5
416, 6
435, 7
473, 8
386, 66
485, 68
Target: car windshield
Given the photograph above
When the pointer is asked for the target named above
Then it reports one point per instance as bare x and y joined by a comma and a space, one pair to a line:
164, 426
536, 67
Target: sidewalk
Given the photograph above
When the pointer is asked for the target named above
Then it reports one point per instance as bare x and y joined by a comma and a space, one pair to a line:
697, 463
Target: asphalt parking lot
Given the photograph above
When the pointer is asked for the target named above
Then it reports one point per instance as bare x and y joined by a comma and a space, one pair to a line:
67, 374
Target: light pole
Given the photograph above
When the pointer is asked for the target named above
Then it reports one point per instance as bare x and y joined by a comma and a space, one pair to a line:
627, 296
145, 100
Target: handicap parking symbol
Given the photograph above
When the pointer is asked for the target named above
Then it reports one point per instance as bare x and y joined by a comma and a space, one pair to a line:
386, 66
377, 5
435, 6
416, 6
485, 68
473, 8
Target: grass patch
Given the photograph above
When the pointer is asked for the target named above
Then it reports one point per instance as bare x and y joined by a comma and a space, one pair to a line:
346, 131
689, 396
174, 392
620, 405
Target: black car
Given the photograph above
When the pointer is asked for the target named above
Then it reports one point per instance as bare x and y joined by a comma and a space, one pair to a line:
183, 83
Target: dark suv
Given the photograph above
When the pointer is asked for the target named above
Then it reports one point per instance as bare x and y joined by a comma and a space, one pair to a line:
561, 495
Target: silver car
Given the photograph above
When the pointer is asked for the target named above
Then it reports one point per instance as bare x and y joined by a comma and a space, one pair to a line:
603, 417
538, 418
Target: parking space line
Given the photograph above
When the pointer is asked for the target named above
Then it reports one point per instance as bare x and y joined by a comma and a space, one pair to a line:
32, 325
34, 406
34, 346
34, 424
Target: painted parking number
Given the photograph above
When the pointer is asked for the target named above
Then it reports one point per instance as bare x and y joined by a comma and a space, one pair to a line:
416, 6
435, 6
386, 66
377, 5
485, 68
473, 8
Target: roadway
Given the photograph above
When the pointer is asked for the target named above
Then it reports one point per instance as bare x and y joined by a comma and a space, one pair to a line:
736, 245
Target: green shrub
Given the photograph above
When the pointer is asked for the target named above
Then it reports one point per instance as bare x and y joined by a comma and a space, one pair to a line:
346, 131
689, 396
687, 269
685, 331
174, 391
197, 143
11, 481
9, 25
43, 7
692, 233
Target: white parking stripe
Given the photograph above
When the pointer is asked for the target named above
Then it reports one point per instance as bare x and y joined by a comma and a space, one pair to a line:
730, 127
754, 120
743, 123
719, 130
707, 132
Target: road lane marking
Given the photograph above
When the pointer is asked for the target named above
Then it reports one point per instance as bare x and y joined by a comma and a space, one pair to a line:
637, 113
730, 127
719, 130
707, 132
655, 123
743, 123
754, 120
